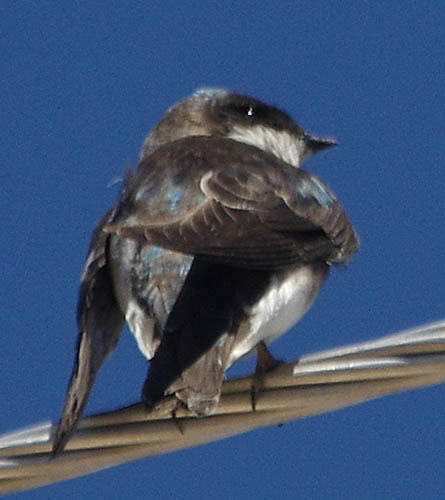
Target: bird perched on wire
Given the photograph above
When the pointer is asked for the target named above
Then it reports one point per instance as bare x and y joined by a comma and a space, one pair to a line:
218, 243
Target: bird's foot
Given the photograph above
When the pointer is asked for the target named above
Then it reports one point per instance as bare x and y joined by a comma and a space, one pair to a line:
167, 407
265, 363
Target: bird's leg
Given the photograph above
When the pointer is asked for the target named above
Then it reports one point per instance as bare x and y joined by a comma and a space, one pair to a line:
264, 363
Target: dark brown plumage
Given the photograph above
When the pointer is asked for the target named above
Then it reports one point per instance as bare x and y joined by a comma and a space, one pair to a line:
216, 244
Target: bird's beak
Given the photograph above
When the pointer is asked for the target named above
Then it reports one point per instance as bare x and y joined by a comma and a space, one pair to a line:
316, 144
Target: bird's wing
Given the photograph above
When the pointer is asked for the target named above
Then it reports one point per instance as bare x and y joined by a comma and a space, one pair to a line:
100, 322
233, 203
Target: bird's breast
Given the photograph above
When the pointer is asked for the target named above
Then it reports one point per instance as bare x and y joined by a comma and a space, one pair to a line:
288, 297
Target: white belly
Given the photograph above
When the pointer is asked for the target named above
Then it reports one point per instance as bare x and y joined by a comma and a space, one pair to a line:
279, 309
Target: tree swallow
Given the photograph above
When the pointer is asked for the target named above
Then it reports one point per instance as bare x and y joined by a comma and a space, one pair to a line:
218, 244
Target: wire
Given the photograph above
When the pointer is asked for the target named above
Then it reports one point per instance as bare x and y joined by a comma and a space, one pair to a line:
317, 383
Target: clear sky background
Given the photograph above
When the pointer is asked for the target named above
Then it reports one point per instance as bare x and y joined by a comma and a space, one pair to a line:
81, 84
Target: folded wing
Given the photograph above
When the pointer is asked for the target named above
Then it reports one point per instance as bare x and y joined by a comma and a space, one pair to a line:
230, 202
100, 322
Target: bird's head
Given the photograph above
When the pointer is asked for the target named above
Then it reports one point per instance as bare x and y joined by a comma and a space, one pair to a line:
221, 113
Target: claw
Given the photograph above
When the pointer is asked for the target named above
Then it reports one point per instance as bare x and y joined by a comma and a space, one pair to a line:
177, 422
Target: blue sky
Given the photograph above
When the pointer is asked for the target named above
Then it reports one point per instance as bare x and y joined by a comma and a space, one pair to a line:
82, 84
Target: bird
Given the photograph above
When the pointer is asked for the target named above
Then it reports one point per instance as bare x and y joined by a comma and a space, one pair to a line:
218, 244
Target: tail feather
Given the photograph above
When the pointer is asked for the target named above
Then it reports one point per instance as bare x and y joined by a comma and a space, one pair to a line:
200, 332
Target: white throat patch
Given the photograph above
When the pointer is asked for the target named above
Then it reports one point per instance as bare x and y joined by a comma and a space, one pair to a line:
280, 143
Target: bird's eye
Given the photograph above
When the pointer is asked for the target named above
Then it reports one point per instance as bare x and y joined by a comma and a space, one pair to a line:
242, 110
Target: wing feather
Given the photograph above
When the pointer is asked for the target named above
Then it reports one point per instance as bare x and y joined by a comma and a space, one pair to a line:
231, 202
100, 322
